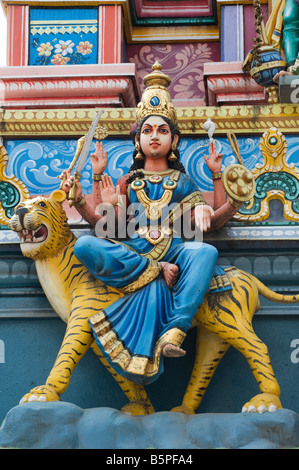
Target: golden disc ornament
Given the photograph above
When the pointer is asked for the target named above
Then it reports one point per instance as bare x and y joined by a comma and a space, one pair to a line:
239, 183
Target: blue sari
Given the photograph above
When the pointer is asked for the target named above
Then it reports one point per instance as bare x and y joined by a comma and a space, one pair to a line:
132, 331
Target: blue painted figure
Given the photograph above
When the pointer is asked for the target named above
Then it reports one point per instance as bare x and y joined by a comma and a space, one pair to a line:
163, 275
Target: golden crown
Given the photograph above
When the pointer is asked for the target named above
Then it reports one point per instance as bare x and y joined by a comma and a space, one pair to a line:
156, 99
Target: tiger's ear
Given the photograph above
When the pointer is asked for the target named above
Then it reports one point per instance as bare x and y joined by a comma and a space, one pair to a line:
58, 195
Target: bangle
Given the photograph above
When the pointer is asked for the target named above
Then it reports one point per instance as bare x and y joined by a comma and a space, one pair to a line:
80, 203
216, 176
234, 203
96, 177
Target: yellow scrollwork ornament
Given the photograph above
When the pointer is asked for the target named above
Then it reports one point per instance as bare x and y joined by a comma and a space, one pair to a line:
275, 179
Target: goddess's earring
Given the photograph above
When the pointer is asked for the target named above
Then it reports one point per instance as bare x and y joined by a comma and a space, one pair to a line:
139, 155
172, 157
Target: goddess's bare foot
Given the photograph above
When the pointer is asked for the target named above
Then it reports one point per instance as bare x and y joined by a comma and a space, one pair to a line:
170, 350
280, 74
170, 273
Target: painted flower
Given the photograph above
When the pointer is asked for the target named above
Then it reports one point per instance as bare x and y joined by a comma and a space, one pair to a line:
64, 47
57, 59
45, 49
84, 47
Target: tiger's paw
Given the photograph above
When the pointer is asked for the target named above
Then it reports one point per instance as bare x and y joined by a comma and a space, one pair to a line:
138, 408
183, 409
262, 403
41, 393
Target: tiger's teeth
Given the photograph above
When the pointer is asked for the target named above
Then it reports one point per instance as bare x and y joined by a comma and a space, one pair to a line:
36, 239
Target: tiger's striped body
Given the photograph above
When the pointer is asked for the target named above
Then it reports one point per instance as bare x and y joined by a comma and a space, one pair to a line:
74, 294
224, 319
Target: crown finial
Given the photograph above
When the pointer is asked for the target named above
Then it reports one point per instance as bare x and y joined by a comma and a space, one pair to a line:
157, 66
156, 99
156, 77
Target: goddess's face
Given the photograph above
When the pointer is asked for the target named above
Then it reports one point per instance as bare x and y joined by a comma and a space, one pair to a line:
155, 138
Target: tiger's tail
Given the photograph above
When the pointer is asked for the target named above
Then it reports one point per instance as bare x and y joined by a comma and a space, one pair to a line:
274, 296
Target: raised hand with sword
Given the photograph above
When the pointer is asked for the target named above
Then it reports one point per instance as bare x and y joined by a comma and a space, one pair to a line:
70, 184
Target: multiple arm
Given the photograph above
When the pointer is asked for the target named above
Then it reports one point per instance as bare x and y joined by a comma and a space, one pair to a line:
214, 163
224, 209
204, 216
84, 209
104, 192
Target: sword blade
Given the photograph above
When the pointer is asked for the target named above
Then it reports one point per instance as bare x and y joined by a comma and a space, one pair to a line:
85, 151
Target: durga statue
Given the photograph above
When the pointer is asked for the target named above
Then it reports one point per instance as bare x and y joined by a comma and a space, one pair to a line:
163, 275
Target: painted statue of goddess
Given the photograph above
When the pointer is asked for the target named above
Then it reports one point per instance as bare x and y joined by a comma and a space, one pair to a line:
163, 277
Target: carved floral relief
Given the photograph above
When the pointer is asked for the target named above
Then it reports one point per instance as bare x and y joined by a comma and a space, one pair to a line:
184, 62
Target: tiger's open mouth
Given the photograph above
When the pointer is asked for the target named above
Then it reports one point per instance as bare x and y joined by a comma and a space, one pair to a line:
34, 236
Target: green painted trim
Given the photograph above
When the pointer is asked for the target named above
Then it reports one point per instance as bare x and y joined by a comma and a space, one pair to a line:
9, 197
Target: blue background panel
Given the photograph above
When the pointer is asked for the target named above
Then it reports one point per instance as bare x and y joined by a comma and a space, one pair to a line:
63, 36
38, 162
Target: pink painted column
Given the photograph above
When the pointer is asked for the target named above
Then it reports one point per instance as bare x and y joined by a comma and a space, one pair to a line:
110, 34
17, 34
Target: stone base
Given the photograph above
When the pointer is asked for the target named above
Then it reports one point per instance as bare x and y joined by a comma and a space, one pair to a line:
61, 425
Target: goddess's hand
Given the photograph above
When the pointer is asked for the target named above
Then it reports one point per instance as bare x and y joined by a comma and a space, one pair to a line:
67, 182
214, 160
109, 193
65, 179
99, 159
203, 216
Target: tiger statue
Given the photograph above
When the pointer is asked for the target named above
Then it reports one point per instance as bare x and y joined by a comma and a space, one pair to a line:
224, 319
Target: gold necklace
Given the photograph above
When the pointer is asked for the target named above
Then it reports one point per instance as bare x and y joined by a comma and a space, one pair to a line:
153, 209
